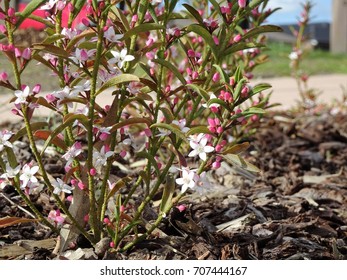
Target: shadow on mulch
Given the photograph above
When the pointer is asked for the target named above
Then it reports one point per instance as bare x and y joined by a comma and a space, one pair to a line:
295, 209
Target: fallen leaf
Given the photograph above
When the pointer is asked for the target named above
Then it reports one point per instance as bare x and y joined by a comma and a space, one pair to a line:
10, 221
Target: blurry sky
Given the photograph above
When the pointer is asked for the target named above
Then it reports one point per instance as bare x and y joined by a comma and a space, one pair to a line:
291, 9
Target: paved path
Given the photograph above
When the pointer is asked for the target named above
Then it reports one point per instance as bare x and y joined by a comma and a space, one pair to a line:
284, 91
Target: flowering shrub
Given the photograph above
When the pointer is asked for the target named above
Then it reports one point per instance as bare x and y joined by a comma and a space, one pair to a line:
179, 87
301, 49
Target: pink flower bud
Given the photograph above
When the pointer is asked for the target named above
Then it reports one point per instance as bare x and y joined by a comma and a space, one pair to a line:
11, 12
17, 53
218, 148
242, 3
60, 5
244, 92
26, 53
37, 89
148, 132
237, 38
107, 221
191, 53
219, 130
216, 40
123, 154
86, 218
122, 208
103, 136
3, 76
15, 112
50, 97
195, 75
85, 22
2, 16
81, 185
134, 18
2, 28
112, 244
216, 165
70, 7
74, 182
254, 118
92, 171
216, 77
181, 207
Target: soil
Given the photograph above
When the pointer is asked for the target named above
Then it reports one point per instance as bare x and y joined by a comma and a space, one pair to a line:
295, 209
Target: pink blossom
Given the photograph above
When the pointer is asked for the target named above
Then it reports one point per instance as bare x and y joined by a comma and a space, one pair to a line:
242, 3
55, 216
26, 53
3, 77
216, 77
2, 28
237, 38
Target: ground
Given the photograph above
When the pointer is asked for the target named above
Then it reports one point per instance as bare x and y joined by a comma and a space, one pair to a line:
296, 208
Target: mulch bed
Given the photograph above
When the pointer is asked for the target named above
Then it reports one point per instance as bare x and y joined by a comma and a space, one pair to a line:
295, 209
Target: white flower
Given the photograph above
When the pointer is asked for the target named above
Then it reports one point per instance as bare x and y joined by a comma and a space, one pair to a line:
81, 89
72, 152
120, 58
22, 95
65, 93
200, 148
293, 56
181, 124
69, 32
9, 174
60, 186
112, 36
163, 132
27, 176
100, 158
82, 55
49, 5
4, 137
187, 179
202, 183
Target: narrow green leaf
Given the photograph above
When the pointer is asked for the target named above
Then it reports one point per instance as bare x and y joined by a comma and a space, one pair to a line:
168, 192
142, 28
199, 129
236, 148
173, 128
151, 159
260, 87
44, 21
53, 38
121, 79
254, 3
220, 102
261, 29
29, 9
194, 13
51, 49
68, 120
238, 89
78, 5
241, 46
224, 76
238, 74
119, 14
216, 6
203, 93
34, 126
119, 184
198, 29
171, 67
240, 162
130, 121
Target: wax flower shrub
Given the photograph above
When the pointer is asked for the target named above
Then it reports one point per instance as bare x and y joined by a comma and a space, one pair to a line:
178, 92
302, 48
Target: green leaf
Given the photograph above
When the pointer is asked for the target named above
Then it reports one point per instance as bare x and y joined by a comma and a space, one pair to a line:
238, 74
130, 121
40, 59
46, 22
236, 148
51, 49
224, 76
151, 159
172, 5
53, 38
240, 162
119, 184
78, 5
254, 3
241, 46
238, 89
194, 13
121, 79
198, 29
203, 93
173, 128
261, 29
119, 14
23, 131
168, 192
142, 28
216, 6
29, 9
68, 120
220, 102
253, 110
171, 67
199, 129
85, 34
259, 88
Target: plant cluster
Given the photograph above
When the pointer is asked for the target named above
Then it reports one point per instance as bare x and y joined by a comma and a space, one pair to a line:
179, 82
